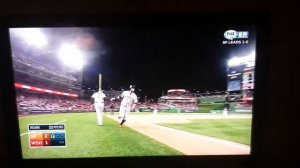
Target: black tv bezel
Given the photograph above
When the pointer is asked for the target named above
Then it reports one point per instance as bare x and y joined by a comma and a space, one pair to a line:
9, 110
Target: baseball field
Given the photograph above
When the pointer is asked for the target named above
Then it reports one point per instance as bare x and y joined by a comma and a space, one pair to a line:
237, 130
144, 135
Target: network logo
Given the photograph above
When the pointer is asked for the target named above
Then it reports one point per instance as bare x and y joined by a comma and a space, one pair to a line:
232, 34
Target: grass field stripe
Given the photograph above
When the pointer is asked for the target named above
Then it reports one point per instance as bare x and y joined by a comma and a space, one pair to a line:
53, 123
26, 116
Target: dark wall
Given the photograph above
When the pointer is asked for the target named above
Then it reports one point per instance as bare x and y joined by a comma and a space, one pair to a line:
279, 141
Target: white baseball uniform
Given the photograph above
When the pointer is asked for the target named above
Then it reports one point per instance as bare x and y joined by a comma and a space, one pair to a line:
125, 107
99, 105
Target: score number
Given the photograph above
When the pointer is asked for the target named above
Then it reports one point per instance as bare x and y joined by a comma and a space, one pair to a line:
47, 138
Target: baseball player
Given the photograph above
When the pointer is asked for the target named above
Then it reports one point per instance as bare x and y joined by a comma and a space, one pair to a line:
128, 104
98, 101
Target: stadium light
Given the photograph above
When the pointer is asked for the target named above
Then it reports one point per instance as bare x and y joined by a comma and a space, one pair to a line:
71, 56
249, 60
234, 61
32, 36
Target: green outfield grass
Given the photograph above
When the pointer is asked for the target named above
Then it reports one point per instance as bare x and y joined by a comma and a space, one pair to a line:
86, 139
237, 130
214, 106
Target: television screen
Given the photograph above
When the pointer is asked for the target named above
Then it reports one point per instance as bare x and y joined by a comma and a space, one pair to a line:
117, 91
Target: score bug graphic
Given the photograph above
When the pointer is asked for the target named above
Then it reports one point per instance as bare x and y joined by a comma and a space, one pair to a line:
42, 135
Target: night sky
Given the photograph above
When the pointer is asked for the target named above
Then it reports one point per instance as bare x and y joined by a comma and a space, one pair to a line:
158, 59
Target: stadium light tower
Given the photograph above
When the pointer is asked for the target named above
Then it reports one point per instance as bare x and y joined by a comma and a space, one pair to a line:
32, 36
249, 60
234, 61
71, 56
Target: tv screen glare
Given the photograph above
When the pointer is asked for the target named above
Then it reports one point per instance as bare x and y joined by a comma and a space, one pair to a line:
109, 91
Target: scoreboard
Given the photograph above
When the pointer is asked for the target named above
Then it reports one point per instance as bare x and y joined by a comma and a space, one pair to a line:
44, 135
234, 78
240, 78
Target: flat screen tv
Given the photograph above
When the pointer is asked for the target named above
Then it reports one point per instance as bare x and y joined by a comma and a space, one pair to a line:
133, 89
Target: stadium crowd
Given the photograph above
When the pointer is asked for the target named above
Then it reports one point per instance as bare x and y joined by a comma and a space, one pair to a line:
187, 106
36, 102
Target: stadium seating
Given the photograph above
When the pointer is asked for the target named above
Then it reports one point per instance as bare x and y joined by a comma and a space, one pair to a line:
30, 102
42, 73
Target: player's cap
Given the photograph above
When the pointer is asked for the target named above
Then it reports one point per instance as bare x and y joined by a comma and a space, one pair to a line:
132, 86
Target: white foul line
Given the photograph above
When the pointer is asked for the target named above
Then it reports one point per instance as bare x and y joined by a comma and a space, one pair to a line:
60, 121
53, 123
